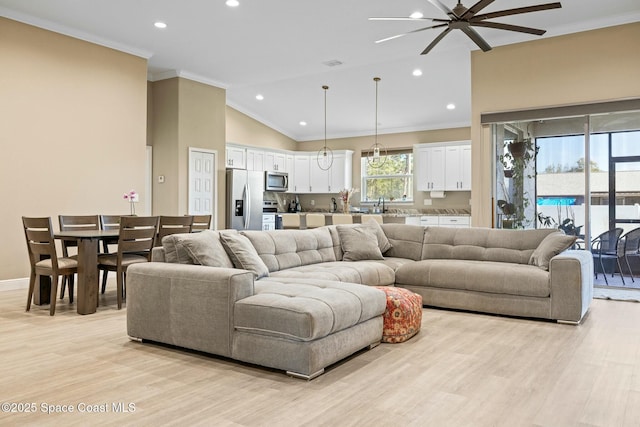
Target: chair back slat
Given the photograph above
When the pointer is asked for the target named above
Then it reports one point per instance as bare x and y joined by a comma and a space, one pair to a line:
109, 222
38, 233
174, 225
137, 234
201, 222
79, 222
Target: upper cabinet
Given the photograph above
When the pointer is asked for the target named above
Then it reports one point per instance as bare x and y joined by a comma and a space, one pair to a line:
308, 177
275, 161
443, 167
236, 157
255, 160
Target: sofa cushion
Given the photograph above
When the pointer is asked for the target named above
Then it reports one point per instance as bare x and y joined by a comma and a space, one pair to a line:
406, 240
203, 248
358, 243
478, 276
482, 244
282, 249
306, 309
551, 246
383, 243
243, 254
365, 272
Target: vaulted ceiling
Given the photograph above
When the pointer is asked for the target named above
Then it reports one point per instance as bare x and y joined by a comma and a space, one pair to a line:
285, 50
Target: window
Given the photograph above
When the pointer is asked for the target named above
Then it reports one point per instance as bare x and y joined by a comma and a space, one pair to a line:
393, 181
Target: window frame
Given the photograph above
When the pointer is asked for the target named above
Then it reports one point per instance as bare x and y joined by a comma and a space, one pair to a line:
410, 175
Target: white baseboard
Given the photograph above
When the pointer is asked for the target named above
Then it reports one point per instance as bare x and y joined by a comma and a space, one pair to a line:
14, 284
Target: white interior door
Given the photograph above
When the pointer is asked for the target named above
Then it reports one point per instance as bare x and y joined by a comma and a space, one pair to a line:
202, 182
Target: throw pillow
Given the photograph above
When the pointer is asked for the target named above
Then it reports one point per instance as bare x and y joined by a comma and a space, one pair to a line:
383, 243
173, 252
550, 246
243, 254
205, 248
358, 243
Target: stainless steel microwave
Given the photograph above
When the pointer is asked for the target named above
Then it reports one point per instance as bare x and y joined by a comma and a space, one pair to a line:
276, 181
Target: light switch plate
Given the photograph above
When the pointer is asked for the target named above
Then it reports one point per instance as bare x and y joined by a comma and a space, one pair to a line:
428, 202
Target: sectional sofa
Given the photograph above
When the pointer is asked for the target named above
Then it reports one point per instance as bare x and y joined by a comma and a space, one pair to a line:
301, 300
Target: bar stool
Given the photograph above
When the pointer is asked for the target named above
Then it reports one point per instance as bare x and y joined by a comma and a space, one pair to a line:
315, 220
342, 219
367, 217
290, 221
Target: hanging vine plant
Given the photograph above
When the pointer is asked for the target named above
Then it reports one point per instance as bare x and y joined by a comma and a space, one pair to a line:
517, 159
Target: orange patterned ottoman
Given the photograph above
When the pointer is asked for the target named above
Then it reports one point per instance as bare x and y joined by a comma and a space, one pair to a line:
403, 315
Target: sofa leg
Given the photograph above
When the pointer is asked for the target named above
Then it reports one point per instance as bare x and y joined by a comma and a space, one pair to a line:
568, 322
136, 339
373, 345
305, 377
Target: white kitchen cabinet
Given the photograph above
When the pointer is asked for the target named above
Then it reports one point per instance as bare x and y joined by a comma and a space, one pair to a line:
458, 168
307, 173
456, 221
275, 161
301, 176
340, 174
443, 167
255, 160
412, 220
430, 168
236, 157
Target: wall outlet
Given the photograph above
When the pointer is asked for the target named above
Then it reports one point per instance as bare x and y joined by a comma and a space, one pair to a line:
428, 202
313, 202
161, 179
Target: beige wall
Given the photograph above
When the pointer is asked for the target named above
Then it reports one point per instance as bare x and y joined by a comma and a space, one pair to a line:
73, 134
185, 114
242, 129
453, 199
592, 66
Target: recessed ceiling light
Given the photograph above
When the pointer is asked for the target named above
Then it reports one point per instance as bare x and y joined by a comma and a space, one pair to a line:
417, 72
303, 123
259, 97
232, 3
160, 24
416, 15
451, 106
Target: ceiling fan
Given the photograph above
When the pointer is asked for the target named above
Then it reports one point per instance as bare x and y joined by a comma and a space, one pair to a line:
464, 19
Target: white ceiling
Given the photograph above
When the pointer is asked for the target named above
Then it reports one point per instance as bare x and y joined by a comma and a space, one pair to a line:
278, 48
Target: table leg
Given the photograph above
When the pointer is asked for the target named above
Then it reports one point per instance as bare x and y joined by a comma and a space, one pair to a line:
87, 276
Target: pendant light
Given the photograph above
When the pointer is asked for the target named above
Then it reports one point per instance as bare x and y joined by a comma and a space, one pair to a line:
377, 154
325, 155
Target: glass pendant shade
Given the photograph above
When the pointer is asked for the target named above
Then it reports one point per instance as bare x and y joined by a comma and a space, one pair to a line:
377, 153
325, 155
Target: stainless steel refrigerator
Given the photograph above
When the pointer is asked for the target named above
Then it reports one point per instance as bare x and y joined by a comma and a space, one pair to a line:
245, 191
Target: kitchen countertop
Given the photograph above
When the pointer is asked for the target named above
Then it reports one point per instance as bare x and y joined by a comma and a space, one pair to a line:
401, 213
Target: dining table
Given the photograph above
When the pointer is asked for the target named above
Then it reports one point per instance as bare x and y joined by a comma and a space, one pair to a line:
87, 293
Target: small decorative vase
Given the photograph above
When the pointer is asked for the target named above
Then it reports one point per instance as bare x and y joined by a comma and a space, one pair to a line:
345, 207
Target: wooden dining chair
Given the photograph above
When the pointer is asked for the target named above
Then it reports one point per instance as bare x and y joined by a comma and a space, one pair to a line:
108, 222
44, 259
135, 241
72, 223
173, 225
201, 222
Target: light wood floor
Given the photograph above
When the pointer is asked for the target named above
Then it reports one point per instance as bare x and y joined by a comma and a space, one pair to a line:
462, 369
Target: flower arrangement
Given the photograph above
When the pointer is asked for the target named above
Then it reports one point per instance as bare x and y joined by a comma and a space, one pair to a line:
345, 195
132, 198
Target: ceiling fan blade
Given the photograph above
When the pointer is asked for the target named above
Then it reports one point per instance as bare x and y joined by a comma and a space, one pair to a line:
473, 35
443, 7
509, 27
516, 11
436, 40
476, 8
405, 18
410, 32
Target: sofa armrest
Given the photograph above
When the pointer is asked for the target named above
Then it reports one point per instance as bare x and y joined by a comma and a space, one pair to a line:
189, 306
571, 285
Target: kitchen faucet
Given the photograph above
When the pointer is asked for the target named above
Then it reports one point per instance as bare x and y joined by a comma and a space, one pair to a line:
378, 205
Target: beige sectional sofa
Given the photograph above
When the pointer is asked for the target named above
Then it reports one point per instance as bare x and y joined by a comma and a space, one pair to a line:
301, 300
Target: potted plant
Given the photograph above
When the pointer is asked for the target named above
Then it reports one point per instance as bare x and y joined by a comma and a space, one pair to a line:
517, 158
